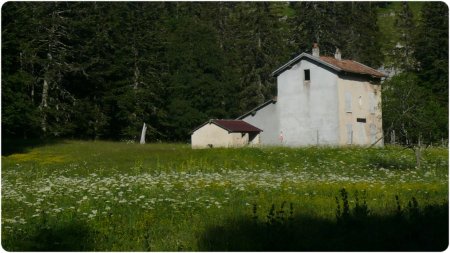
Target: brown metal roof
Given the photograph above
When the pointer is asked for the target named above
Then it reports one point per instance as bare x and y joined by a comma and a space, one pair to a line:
352, 66
236, 125
337, 65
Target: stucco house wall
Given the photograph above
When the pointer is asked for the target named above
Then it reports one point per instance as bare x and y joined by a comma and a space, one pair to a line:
358, 98
340, 104
308, 110
210, 134
267, 118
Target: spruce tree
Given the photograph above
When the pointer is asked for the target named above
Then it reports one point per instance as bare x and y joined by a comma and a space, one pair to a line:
432, 49
403, 51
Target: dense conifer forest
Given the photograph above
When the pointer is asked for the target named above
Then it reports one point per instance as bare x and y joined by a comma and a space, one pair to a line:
99, 70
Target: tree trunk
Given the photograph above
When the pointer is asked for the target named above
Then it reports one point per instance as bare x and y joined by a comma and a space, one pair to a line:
32, 93
43, 106
260, 92
418, 152
136, 69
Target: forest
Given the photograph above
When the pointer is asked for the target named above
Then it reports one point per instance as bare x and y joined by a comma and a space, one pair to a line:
99, 70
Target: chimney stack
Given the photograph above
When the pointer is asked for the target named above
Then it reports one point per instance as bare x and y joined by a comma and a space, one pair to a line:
337, 55
315, 50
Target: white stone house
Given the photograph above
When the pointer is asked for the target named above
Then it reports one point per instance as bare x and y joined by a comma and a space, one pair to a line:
322, 100
225, 133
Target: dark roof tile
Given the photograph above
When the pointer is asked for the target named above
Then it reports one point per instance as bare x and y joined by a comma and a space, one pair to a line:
349, 66
236, 125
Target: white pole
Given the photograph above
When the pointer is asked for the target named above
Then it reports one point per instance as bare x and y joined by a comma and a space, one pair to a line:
144, 130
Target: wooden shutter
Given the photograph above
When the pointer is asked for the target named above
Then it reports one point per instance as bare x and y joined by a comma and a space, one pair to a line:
348, 102
349, 134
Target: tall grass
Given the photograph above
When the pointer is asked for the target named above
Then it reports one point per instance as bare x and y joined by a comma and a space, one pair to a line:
167, 196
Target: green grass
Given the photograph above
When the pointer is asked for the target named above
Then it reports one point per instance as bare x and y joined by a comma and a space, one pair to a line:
109, 196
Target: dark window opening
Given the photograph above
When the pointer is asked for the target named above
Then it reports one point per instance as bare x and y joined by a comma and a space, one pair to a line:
252, 136
307, 75
363, 120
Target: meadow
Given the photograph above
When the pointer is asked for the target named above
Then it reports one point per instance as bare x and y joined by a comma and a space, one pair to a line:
119, 196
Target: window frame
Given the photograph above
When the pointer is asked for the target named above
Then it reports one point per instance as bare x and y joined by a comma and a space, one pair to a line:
361, 120
349, 128
307, 75
348, 102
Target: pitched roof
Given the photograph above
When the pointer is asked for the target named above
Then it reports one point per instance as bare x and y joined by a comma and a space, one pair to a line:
338, 65
231, 125
236, 125
352, 66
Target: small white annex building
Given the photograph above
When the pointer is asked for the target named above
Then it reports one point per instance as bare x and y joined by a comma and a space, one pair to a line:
321, 100
225, 133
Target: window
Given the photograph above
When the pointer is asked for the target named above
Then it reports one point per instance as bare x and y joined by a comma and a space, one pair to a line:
348, 102
307, 75
362, 120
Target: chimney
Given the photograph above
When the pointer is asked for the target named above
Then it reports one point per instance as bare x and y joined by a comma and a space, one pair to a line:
315, 50
337, 55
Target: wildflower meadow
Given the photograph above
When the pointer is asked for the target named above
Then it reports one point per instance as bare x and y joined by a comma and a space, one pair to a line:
118, 196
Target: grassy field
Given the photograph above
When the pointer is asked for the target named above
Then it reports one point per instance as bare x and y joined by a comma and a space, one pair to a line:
109, 196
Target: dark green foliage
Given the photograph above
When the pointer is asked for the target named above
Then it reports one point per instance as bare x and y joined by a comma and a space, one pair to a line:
345, 206
361, 210
260, 41
50, 234
398, 211
415, 102
19, 116
100, 70
403, 51
197, 83
412, 111
416, 229
432, 45
415, 45
351, 27
432, 58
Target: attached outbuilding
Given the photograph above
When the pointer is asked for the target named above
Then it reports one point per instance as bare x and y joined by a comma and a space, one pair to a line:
225, 133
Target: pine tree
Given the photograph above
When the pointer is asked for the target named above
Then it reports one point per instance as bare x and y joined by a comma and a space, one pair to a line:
20, 117
260, 47
197, 83
403, 58
44, 47
349, 26
411, 111
141, 37
432, 49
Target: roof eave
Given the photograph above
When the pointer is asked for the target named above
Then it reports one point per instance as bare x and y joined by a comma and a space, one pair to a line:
381, 75
297, 58
271, 101
232, 131
346, 72
197, 128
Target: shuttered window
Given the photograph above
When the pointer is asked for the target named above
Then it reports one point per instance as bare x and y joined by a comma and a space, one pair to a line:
348, 102
349, 134
373, 102
373, 133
